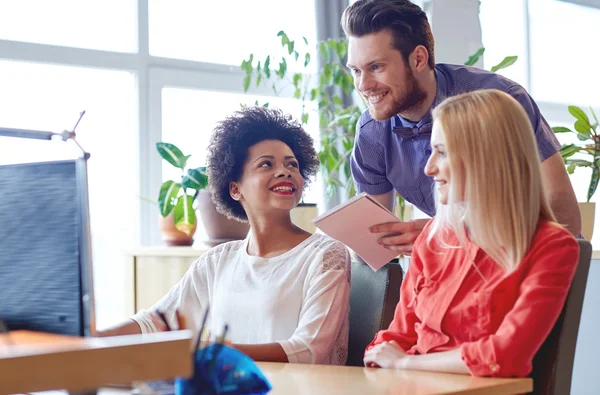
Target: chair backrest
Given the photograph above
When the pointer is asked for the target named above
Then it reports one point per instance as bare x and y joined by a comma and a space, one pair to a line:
553, 364
373, 300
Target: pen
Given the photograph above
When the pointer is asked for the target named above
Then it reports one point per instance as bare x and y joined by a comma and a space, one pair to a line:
201, 330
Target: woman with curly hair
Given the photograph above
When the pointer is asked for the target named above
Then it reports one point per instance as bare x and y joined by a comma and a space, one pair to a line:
283, 292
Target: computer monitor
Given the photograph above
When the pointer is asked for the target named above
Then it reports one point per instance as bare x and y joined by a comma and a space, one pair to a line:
45, 248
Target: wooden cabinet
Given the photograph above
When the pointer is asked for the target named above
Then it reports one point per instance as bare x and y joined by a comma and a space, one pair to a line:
152, 271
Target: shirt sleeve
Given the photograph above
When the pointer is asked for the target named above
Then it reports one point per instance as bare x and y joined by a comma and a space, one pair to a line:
402, 327
510, 351
546, 140
189, 296
324, 311
367, 164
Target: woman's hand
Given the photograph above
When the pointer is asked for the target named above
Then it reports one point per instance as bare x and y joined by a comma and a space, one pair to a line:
387, 355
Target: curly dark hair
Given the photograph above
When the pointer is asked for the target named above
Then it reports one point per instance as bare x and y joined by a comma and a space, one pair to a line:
231, 141
406, 20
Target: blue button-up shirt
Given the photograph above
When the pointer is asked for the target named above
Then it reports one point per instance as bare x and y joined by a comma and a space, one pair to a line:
385, 158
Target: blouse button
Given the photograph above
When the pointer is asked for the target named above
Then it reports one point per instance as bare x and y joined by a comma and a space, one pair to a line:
493, 367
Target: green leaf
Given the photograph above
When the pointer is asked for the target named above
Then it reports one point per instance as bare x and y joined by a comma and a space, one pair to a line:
172, 154
313, 94
348, 144
291, 48
571, 168
324, 51
282, 68
258, 80
247, 80
340, 48
568, 150
475, 57
305, 40
561, 129
266, 67
297, 78
284, 38
184, 215
337, 100
195, 179
297, 93
306, 59
167, 195
594, 115
579, 114
304, 118
583, 127
327, 72
507, 61
579, 162
593, 181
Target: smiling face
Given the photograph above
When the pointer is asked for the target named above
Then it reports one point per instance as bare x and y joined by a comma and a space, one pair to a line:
382, 76
438, 165
271, 180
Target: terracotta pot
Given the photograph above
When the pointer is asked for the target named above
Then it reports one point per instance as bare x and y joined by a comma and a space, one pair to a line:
170, 235
218, 227
588, 214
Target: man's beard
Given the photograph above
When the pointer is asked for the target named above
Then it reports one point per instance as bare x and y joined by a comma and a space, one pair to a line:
413, 96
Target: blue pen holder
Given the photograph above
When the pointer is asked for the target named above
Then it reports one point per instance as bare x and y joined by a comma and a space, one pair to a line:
219, 369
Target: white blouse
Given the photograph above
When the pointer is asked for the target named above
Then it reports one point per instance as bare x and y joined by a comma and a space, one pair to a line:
299, 299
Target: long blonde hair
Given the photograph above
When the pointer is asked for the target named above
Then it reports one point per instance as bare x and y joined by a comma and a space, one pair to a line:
496, 193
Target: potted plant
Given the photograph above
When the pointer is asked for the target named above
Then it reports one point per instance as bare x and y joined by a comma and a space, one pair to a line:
179, 200
585, 152
331, 88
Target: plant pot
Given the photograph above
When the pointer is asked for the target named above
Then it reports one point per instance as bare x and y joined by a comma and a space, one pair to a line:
218, 227
302, 216
170, 235
588, 215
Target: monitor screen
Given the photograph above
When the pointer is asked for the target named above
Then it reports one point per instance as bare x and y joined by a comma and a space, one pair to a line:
45, 252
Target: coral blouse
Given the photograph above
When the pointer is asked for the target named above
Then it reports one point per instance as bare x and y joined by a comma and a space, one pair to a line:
500, 320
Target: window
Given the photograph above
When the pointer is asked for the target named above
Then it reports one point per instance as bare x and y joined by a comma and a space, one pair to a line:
564, 54
109, 25
47, 97
500, 41
191, 30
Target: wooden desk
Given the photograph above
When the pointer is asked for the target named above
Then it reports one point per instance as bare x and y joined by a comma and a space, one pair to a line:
31, 361
317, 379
291, 379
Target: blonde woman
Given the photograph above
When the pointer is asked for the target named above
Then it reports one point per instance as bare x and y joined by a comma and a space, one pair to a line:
490, 273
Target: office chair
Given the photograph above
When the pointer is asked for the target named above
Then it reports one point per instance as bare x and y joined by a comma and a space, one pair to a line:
553, 364
373, 300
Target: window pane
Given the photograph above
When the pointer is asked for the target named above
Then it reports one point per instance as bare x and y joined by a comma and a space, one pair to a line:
44, 97
500, 41
109, 25
227, 31
564, 52
190, 129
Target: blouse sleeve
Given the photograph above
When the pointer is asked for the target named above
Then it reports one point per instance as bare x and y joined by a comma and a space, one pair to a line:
189, 296
323, 321
402, 327
510, 351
